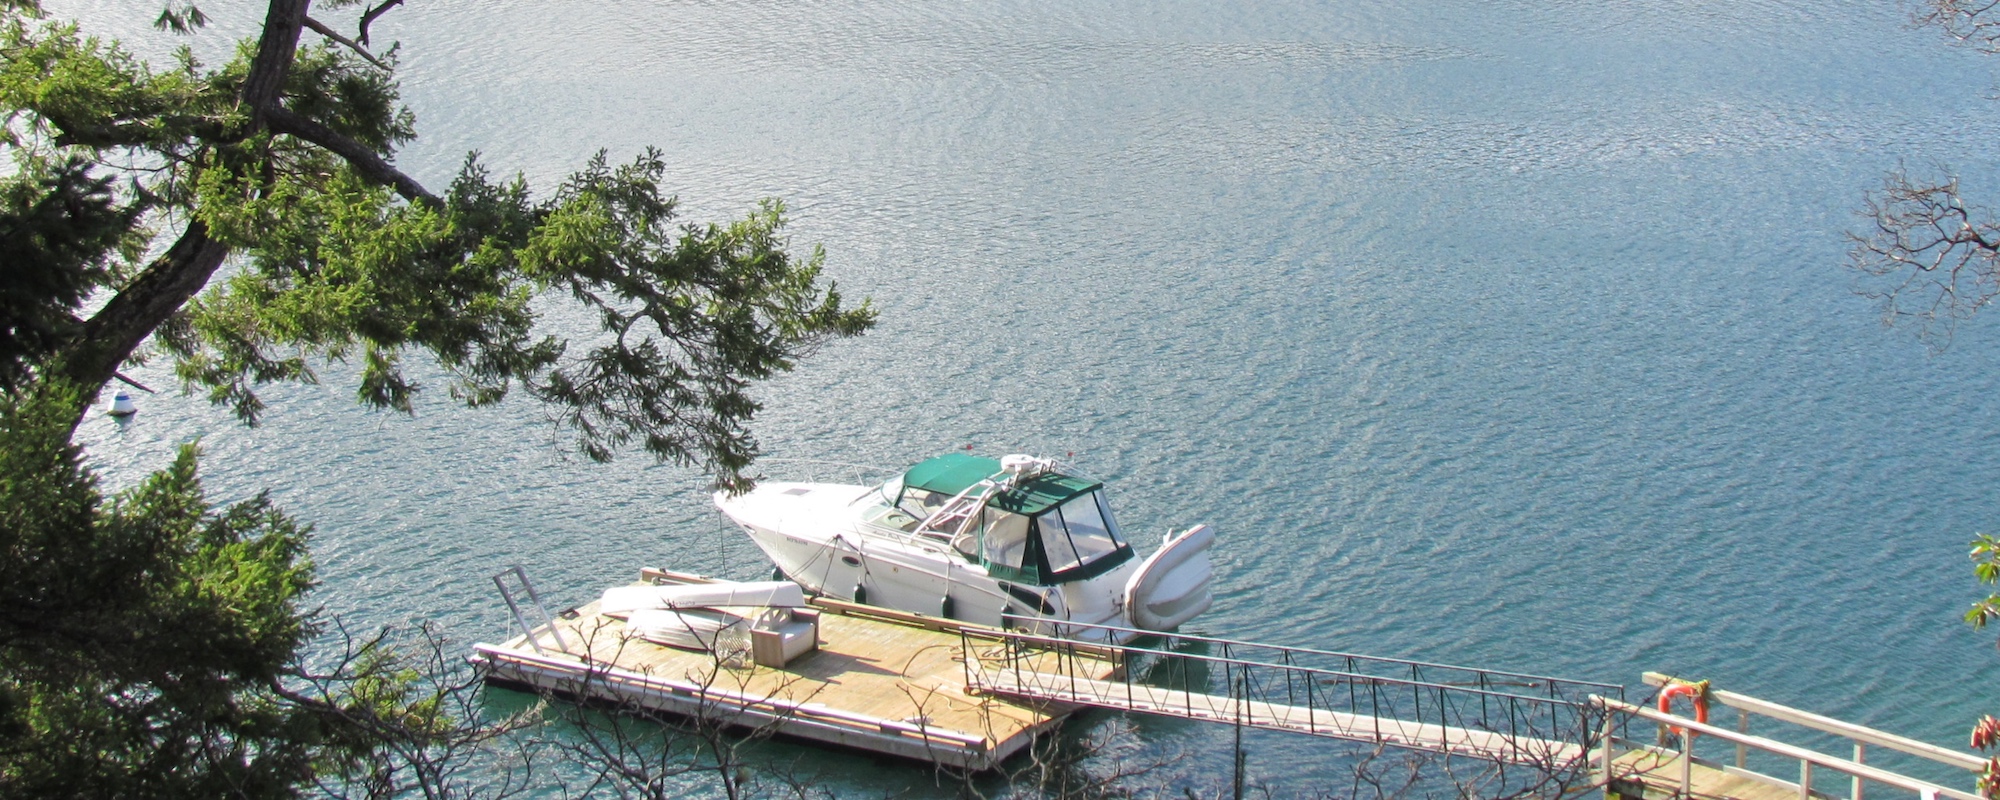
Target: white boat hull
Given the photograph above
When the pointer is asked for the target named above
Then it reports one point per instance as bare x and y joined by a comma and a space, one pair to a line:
810, 533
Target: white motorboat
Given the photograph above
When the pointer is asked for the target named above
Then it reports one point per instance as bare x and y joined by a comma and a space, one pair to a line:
1018, 542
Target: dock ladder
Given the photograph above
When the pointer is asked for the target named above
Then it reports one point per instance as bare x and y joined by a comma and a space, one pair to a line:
527, 589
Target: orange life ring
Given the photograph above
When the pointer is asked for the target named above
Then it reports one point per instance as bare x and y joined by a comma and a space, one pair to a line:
1696, 692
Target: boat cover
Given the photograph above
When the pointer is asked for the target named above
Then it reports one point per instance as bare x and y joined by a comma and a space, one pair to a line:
952, 473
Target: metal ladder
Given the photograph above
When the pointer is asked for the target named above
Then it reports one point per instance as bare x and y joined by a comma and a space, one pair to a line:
528, 588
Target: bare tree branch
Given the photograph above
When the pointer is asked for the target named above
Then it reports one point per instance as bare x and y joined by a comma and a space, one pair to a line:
1936, 259
369, 18
1971, 22
329, 33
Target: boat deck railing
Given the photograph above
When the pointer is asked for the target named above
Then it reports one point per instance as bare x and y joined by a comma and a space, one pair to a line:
811, 470
1490, 714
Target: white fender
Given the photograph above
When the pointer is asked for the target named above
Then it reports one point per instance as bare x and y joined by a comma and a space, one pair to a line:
1172, 586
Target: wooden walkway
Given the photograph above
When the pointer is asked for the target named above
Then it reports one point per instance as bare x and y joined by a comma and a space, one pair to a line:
1657, 776
1639, 769
880, 680
1126, 696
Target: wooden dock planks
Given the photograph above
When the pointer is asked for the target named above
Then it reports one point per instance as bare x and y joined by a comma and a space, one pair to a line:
880, 680
1657, 776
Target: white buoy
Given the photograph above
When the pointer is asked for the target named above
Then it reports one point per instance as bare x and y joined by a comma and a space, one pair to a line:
121, 405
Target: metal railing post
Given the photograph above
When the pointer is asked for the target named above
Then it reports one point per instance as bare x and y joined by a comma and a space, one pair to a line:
1742, 750
965, 647
1687, 770
1605, 753
1859, 751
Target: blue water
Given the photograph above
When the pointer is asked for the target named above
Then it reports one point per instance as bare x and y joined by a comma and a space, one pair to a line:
1504, 333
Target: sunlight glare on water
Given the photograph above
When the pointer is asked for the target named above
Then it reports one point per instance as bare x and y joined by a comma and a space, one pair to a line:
1501, 333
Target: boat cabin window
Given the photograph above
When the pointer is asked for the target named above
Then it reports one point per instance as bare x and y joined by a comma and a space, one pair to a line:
1006, 542
1079, 533
1073, 541
1080, 539
1050, 529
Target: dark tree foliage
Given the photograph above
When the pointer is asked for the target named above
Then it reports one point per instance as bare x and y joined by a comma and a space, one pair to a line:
139, 637
280, 163
59, 231
247, 221
151, 646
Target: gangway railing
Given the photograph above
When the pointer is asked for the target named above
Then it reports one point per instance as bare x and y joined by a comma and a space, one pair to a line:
1615, 762
527, 587
1679, 762
1489, 714
1861, 737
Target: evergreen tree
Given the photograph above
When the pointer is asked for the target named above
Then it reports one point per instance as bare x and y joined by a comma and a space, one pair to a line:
280, 162
150, 645
140, 638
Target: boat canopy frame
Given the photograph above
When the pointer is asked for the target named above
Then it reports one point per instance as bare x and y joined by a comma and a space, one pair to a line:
984, 492
952, 474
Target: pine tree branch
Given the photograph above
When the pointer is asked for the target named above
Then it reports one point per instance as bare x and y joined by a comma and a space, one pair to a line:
130, 134
116, 330
362, 157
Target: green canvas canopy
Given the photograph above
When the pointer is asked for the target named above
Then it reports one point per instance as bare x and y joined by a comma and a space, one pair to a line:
1042, 493
952, 473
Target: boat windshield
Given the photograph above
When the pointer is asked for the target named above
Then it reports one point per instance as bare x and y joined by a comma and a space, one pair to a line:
921, 503
1080, 539
902, 506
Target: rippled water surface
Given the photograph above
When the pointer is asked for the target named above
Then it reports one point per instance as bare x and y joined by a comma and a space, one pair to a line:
1503, 333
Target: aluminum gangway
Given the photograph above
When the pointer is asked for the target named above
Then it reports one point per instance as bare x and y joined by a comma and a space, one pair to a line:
1458, 711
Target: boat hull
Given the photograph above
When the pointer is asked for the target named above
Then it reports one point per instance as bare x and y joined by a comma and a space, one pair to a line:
814, 536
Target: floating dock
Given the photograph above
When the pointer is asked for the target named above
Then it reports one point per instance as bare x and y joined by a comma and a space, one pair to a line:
969, 696
880, 680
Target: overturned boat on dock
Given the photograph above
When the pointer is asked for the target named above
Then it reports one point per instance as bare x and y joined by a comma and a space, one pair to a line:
1017, 542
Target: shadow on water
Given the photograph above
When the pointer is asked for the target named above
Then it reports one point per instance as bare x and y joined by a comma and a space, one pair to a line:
1169, 667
